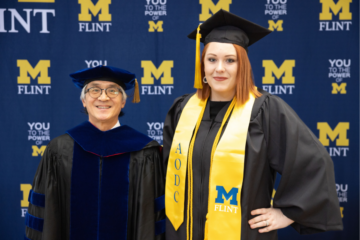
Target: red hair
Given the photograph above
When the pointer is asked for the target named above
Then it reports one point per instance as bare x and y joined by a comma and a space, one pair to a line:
244, 78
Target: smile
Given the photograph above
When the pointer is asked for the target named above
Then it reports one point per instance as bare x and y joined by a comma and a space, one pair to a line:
220, 78
103, 107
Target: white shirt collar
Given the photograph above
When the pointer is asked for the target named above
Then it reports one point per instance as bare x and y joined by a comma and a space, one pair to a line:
116, 125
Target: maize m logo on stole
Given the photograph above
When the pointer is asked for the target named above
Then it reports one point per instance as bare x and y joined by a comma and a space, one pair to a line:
31, 14
329, 9
230, 196
209, 5
89, 10
150, 72
337, 135
283, 73
39, 73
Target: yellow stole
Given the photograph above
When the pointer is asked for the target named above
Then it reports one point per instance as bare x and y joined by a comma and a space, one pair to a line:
226, 170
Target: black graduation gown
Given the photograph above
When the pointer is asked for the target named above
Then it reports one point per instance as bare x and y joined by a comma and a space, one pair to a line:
98, 185
277, 141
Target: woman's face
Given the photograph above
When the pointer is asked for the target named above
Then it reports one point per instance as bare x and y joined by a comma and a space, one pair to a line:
103, 108
221, 68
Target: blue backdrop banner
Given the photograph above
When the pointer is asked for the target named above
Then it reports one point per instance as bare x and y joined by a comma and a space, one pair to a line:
311, 60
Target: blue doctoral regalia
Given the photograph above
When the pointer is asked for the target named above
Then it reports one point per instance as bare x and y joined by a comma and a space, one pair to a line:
92, 184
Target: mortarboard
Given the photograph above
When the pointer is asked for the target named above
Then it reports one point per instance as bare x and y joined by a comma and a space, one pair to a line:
123, 78
225, 27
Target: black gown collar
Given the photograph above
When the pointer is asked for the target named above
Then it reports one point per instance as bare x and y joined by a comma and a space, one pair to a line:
219, 117
115, 141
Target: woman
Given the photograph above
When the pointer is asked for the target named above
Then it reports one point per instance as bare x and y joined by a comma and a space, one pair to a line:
100, 180
224, 145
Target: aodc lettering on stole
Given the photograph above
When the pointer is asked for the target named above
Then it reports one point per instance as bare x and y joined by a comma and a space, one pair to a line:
177, 164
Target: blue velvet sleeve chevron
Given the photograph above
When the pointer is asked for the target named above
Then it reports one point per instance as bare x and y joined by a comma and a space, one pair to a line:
159, 227
37, 199
160, 205
34, 222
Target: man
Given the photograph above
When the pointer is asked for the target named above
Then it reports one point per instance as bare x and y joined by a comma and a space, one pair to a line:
100, 180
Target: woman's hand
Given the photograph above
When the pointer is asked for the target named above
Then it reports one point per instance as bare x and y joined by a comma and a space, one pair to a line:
269, 219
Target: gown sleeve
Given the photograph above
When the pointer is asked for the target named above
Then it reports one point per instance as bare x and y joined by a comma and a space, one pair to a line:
43, 219
146, 217
306, 192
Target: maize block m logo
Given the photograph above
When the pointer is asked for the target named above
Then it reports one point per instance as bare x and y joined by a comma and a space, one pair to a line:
343, 5
338, 88
340, 132
277, 25
157, 26
208, 5
41, 68
25, 188
88, 6
38, 151
164, 69
227, 195
285, 68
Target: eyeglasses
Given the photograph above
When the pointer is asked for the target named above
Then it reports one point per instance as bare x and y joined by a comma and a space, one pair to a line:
96, 92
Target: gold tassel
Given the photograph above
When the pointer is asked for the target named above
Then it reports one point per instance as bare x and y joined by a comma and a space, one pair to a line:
136, 98
197, 81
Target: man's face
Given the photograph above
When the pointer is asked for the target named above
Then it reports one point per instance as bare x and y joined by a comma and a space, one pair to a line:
103, 108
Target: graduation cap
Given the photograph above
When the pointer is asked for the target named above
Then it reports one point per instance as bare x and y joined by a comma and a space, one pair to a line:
225, 27
123, 78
